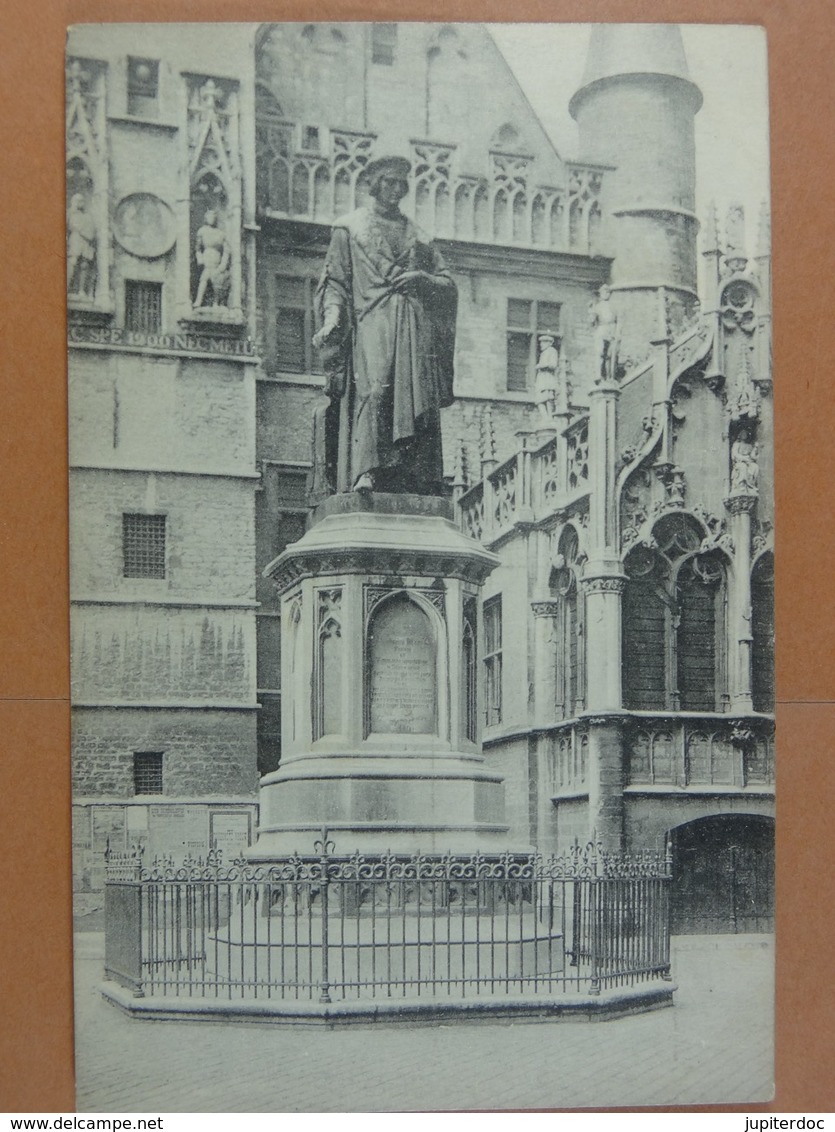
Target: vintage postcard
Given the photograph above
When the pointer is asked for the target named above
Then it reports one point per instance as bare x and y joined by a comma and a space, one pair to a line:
421, 447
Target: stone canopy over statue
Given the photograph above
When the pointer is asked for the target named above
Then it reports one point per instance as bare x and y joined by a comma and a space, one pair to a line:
386, 309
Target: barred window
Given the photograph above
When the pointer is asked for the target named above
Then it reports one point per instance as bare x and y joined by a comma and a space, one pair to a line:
143, 546
526, 318
147, 772
383, 44
143, 306
143, 87
493, 661
294, 325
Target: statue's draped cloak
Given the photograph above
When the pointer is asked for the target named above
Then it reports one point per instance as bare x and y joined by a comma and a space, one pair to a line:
389, 365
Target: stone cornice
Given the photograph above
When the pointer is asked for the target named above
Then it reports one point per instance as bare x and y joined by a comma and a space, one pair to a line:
378, 561
511, 259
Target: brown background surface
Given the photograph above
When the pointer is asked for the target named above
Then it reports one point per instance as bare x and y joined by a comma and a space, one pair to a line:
36, 1066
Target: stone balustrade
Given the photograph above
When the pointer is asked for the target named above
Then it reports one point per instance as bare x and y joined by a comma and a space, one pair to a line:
505, 205
543, 476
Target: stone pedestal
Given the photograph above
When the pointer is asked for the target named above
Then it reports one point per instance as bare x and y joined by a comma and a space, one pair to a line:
381, 714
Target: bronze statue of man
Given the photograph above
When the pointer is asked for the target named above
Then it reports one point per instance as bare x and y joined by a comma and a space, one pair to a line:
386, 309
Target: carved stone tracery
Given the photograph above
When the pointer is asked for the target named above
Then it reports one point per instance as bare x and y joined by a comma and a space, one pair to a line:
88, 245
215, 197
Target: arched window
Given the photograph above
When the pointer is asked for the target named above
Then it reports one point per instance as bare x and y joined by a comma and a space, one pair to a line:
674, 622
762, 633
647, 607
700, 592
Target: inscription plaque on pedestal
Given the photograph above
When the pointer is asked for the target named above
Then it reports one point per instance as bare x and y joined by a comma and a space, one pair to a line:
230, 831
178, 830
402, 679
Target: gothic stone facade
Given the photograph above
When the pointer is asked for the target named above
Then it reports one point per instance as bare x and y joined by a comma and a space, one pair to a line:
625, 637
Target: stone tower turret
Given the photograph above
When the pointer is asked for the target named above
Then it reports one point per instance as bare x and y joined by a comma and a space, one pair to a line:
635, 110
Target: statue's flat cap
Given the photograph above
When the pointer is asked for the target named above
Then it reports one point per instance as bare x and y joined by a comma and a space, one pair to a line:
388, 166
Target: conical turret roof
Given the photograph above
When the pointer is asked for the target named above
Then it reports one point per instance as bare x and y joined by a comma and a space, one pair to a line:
633, 49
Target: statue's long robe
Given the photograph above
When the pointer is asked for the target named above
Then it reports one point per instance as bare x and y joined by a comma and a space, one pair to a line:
389, 365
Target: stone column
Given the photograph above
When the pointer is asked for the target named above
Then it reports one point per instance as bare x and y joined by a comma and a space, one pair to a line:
740, 505
603, 583
545, 644
603, 578
603, 680
606, 780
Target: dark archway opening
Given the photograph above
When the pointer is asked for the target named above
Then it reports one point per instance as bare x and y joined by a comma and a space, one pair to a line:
723, 875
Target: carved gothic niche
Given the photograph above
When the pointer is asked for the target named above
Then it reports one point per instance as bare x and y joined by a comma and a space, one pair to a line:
214, 215
469, 668
402, 685
636, 499
329, 661
88, 244
744, 458
739, 315
568, 556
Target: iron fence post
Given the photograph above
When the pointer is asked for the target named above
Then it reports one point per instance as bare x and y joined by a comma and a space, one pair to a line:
594, 933
325, 847
666, 885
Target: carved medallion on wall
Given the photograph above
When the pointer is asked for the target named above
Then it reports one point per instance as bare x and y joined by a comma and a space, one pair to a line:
144, 225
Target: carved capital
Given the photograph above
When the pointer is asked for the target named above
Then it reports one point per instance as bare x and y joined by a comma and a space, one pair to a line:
612, 584
545, 608
740, 503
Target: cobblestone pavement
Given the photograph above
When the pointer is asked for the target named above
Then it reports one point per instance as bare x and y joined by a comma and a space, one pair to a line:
714, 1046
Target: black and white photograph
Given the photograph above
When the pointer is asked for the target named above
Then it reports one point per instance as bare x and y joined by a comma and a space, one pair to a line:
421, 566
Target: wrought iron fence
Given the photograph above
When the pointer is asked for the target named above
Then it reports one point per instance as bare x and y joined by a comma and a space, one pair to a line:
332, 928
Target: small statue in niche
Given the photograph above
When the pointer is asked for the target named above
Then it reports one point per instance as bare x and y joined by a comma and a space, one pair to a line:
81, 249
747, 405
604, 319
745, 470
213, 254
546, 378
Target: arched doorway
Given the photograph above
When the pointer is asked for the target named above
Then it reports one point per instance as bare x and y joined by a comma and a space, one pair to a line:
723, 875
